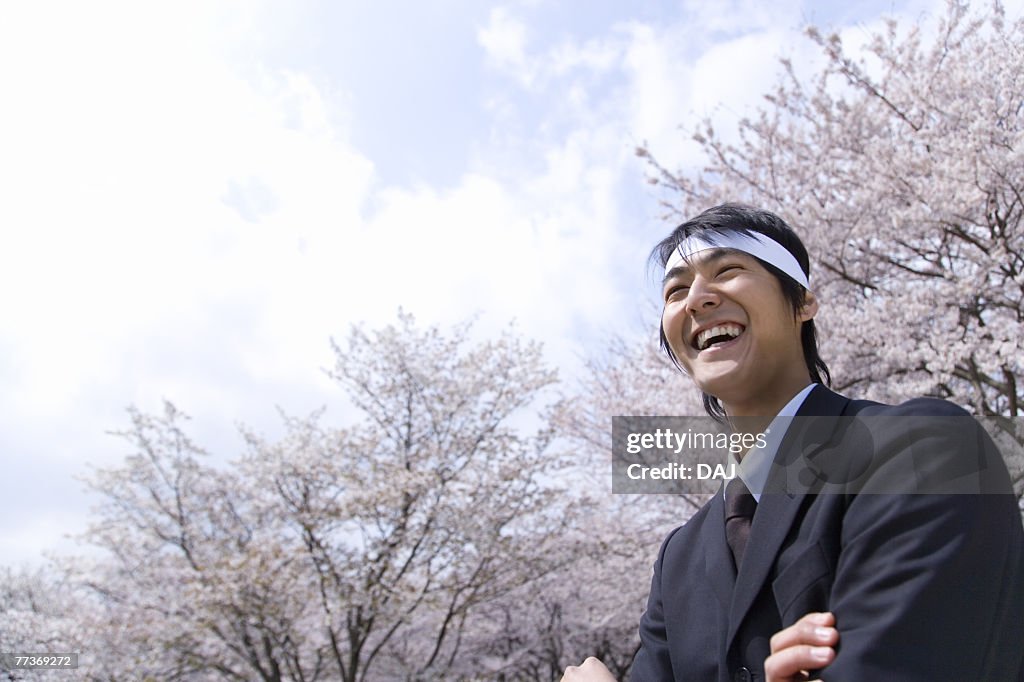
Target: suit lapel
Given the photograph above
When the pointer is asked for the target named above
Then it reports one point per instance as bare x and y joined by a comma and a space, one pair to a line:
718, 565
778, 508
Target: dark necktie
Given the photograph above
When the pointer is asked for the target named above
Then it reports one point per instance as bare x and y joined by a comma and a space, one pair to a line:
739, 513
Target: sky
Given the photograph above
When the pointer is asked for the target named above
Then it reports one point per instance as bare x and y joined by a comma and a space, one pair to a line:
196, 197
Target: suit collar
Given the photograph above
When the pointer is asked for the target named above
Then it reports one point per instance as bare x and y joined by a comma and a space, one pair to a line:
822, 402
778, 507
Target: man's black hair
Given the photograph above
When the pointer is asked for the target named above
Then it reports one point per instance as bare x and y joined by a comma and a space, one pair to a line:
728, 218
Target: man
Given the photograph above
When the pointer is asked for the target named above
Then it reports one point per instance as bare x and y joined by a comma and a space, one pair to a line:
884, 580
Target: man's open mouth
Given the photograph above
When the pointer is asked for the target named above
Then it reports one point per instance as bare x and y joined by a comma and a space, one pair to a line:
722, 333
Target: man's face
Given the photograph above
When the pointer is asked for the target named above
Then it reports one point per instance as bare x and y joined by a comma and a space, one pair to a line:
733, 332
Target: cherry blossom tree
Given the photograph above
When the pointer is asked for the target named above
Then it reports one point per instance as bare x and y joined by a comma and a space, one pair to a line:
37, 615
375, 551
902, 167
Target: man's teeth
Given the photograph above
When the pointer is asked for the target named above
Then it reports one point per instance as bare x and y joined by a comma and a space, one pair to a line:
730, 330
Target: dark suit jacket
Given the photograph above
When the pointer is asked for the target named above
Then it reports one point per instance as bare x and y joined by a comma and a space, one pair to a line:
924, 587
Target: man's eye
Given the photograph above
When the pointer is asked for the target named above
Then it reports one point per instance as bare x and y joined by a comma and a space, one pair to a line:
727, 268
675, 292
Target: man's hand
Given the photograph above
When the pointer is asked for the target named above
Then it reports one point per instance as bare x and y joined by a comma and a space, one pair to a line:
592, 670
805, 645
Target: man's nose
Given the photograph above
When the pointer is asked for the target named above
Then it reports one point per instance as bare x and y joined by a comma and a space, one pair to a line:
701, 296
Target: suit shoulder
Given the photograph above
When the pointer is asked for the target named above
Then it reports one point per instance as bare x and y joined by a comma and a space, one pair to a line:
917, 407
685, 532
921, 445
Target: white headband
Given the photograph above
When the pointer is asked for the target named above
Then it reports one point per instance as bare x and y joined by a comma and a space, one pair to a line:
755, 243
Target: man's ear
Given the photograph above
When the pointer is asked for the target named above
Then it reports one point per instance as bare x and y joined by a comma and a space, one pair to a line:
810, 307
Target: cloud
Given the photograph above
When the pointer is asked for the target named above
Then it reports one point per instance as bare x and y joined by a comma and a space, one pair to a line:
651, 82
188, 226
504, 42
710, 23
161, 209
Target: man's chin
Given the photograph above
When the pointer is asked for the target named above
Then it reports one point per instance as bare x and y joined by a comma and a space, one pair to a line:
720, 384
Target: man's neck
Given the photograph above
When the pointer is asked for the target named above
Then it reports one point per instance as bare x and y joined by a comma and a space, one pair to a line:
754, 416
761, 425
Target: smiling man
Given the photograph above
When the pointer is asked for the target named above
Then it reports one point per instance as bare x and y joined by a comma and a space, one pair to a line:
729, 323
922, 578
